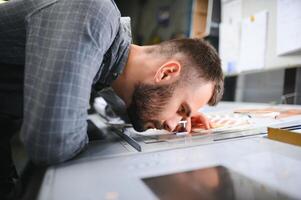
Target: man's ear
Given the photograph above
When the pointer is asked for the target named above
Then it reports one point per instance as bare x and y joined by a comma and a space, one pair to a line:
168, 72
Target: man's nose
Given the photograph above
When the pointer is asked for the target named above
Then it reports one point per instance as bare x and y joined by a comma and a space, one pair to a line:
171, 123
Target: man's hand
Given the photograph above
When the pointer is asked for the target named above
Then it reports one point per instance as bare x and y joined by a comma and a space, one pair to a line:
198, 121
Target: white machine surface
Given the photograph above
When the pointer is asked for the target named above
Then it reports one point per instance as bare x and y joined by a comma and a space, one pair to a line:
252, 167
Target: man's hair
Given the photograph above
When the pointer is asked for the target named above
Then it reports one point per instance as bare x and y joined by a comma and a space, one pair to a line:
200, 61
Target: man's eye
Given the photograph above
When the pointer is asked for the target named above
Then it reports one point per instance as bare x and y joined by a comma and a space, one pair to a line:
181, 110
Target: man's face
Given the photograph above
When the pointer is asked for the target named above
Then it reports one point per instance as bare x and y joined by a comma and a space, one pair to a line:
163, 106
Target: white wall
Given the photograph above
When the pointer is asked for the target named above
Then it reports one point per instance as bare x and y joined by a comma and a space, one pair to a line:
250, 7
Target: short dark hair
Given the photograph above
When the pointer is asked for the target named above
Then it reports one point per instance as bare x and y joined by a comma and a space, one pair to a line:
202, 58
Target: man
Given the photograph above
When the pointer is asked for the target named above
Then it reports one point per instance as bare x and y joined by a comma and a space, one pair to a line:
165, 83
67, 49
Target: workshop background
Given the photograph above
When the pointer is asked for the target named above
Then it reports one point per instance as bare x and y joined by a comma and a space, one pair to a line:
258, 41
269, 77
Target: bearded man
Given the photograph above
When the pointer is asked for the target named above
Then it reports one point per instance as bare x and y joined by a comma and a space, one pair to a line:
55, 53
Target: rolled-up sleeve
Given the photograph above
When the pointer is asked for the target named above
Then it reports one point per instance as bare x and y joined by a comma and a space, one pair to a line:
65, 45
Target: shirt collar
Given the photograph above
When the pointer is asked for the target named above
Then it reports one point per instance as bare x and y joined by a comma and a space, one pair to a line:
116, 57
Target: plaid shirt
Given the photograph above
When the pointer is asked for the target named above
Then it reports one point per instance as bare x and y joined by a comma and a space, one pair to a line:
68, 47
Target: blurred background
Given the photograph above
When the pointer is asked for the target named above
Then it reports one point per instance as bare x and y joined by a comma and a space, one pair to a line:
258, 41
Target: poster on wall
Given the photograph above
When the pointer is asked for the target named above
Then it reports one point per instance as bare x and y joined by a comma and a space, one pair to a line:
288, 26
253, 42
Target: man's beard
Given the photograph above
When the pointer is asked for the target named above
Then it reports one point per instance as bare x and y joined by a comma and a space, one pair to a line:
147, 104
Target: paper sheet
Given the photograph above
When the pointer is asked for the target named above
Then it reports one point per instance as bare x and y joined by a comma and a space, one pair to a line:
288, 26
225, 122
229, 35
253, 41
229, 47
231, 12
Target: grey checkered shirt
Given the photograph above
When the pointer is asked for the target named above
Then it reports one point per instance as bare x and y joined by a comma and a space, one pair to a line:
67, 47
